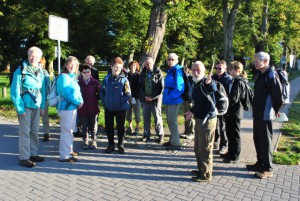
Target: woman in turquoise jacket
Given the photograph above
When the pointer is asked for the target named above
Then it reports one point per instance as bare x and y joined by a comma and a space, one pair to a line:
70, 100
28, 96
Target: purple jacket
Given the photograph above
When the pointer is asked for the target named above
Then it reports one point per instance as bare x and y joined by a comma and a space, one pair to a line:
90, 95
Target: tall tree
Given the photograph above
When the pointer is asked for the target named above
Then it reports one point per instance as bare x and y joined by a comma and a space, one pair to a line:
229, 16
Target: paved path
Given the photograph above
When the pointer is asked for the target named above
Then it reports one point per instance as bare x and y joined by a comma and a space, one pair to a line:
140, 174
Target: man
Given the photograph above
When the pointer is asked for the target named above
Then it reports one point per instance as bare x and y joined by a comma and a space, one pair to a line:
221, 141
90, 61
267, 102
174, 87
151, 87
204, 114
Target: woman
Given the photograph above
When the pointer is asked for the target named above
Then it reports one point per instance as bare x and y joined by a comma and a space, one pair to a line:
235, 112
71, 100
45, 116
89, 112
115, 95
27, 94
135, 105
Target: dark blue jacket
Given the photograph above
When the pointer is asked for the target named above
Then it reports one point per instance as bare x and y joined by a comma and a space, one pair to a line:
115, 92
267, 95
225, 80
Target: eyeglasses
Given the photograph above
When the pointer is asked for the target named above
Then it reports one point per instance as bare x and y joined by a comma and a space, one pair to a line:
171, 59
84, 72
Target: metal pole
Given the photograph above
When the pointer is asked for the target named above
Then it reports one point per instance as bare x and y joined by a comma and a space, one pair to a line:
58, 56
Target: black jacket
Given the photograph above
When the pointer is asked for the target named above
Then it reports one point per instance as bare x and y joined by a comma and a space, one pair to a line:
267, 95
134, 84
157, 84
225, 80
237, 92
202, 106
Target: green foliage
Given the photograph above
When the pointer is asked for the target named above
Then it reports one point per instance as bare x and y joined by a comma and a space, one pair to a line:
288, 151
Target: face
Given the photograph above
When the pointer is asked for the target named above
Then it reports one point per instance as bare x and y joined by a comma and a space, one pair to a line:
72, 66
34, 58
171, 61
220, 69
149, 64
198, 72
233, 72
260, 65
133, 68
86, 74
116, 69
89, 61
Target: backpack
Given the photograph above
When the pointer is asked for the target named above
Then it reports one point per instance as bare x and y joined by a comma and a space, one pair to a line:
52, 96
12, 71
247, 101
221, 102
185, 95
285, 85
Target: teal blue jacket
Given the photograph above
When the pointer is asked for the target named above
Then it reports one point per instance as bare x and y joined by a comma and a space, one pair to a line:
69, 91
28, 90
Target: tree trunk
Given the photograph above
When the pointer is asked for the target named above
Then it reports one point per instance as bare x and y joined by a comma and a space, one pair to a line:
156, 29
229, 16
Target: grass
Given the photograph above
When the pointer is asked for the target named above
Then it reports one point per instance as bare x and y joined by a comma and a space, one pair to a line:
288, 151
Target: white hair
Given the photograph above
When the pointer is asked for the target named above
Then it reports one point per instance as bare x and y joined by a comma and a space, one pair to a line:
174, 56
263, 56
35, 49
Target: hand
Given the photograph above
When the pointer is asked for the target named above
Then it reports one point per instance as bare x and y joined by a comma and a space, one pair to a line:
208, 79
80, 106
277, 115
42, 111
188, 115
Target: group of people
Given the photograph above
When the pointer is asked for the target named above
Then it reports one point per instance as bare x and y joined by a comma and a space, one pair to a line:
124, 92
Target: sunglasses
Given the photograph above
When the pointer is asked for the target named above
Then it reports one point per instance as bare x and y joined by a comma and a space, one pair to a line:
84, 72
218, 68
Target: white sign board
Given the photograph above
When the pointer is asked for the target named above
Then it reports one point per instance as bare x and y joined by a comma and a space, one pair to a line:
58, 28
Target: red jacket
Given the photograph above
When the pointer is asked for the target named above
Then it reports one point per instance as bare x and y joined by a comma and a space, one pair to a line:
90, 95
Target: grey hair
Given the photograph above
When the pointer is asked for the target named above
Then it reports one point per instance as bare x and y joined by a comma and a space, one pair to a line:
149, 58
35, 49
263, 56
90, 56
174, 56
200, 64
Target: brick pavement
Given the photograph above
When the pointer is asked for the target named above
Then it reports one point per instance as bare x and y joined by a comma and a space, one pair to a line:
143, 173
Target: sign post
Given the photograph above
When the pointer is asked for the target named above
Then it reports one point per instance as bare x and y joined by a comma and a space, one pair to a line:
58, 30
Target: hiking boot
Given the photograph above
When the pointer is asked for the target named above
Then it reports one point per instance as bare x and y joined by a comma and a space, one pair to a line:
46, 138
195, 172
174, 148
229, 160
201, 179
224, 155
74, 153
129, 131
85, 146
223, 150
146, 139
160, 140
263, 174
93, 145
136, 131
121, 150
216, 145
167, 144
71, 160
256, 167
77, 134
110, 149
27, 163
37, 158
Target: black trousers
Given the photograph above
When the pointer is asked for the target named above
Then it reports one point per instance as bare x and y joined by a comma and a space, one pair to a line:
262, 136
89, 124
220, 133
109, 126
233, 125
